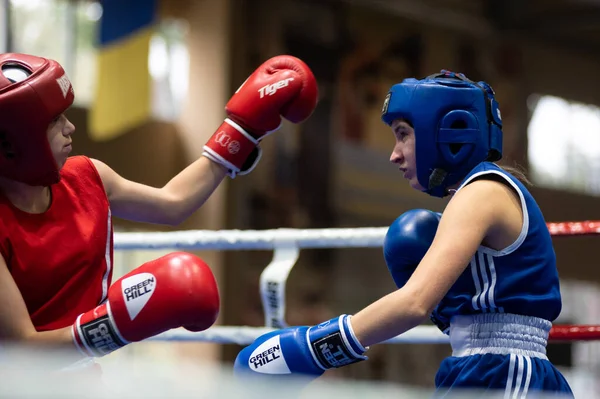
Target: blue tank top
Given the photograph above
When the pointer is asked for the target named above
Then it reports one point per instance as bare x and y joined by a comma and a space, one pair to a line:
520, 279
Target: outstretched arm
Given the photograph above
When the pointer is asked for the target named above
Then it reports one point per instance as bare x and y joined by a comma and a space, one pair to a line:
171, 204
281, 87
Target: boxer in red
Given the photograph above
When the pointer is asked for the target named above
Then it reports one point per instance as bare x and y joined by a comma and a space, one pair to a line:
55, 212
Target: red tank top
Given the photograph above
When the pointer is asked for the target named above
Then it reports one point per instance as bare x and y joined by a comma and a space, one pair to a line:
61, 259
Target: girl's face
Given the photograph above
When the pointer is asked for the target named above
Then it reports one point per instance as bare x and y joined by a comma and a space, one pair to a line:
403, 153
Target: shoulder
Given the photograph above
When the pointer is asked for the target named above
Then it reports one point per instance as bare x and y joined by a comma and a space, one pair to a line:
80, 170
100, 166
106, 173
486, 170
77, 164
484, 187
488, 179
487, 190
111, 180
486, 197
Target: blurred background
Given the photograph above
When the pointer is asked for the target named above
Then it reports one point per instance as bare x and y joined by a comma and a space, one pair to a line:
152, 77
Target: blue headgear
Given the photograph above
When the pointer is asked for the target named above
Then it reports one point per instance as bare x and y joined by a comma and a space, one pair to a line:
457, 125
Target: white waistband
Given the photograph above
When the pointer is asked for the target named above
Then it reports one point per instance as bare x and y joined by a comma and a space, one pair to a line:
499, 333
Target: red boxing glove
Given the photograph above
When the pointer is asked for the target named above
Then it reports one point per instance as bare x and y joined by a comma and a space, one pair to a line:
176, 290
282, 86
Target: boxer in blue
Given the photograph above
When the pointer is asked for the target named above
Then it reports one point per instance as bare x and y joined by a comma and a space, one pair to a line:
484, 270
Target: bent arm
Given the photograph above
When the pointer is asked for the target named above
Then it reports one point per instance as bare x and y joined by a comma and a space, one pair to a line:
16, 325
469, 217
171, 204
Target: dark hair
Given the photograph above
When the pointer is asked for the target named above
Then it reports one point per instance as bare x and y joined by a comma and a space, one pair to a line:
518, 172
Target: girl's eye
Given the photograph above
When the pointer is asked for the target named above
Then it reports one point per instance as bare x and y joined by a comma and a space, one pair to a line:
401, 134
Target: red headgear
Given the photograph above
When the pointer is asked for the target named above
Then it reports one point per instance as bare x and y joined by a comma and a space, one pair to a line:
33, 92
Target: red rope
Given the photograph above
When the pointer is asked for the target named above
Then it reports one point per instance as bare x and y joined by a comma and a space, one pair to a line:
567, 333
564, 333
587, 227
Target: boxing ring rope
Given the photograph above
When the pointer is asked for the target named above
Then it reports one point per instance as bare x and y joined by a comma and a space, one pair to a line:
418, 335
286, 245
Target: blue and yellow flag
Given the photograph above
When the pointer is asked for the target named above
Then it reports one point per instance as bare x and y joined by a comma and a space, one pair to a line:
123, 87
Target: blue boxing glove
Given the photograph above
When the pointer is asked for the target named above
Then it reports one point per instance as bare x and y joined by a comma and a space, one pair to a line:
406, 242
301, 351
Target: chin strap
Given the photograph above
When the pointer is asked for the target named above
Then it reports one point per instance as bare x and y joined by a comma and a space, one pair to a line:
436, 180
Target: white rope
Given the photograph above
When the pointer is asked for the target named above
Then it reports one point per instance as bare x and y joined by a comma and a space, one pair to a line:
252, 239
246, 335
285, 242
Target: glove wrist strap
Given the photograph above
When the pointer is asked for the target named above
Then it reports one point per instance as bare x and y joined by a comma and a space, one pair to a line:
333, 343
230, 146
95, 334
